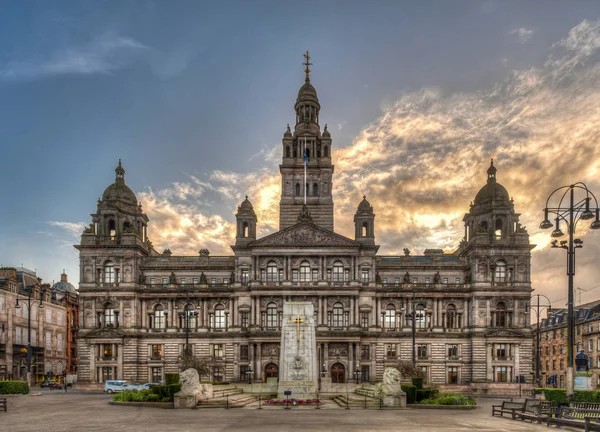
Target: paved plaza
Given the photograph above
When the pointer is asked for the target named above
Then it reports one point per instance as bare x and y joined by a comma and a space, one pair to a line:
56, 411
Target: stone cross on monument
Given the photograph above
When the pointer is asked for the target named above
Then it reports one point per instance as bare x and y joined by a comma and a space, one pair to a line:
298, 321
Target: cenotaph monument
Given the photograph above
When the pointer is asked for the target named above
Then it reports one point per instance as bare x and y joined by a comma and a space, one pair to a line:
298, 372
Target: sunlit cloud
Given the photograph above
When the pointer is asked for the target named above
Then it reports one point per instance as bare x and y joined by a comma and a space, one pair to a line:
421, 163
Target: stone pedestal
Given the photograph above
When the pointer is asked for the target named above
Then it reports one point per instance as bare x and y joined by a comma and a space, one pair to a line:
188, 402
583, 382
398, 401
298, 371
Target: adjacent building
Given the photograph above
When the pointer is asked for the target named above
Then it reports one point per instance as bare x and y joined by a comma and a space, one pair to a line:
553, 342
470, 308
20, 290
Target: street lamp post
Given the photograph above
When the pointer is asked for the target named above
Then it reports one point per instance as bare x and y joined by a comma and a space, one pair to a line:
357, 373
30, 293
412, 315
538, 348
186, 316
571, 212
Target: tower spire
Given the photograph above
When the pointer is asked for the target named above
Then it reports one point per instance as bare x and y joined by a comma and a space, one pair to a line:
307, 63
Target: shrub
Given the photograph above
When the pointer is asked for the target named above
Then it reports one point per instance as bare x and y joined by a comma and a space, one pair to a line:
171, 379
555, 395
14, 387
560, 395
117, 397
153, 398
449, 399
411, 393
165, 399
166, 391
426, 394
417, 382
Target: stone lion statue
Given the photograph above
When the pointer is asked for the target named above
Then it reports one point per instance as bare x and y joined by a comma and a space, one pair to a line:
190, 385
391, 376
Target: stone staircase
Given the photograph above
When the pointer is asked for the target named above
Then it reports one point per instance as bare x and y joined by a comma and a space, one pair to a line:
356, 401
367, 390
226, 390
229, 396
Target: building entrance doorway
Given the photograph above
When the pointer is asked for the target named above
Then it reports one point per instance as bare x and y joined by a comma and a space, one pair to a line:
338, 373
271, 370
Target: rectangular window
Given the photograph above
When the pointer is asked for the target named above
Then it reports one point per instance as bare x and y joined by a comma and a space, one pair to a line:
501, 374
304, 273
501, 351
245, 277
218, 374
453, 351
426, 281
562, 349
553, 364
244, 352
445, 281
59, 342
452, 375
262, 275
195, 281
365, 373
218, 351
213, 281
225, 281
547, 350
364, 320
315, 275
365, 276
562, 364
590, 345
156, 352
244, 320
415, 280
457, 281
547, 365
553, 349
591, 328
165, 281
384, 281
182, 281
280, 275
244, 372
365, 352
294, 275
346, 274
422, 351
48, 340
107, 351
390, 350
328, 275
157, 375
397, 281
152, 281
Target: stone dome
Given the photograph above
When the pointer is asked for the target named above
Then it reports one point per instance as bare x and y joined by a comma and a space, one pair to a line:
365, 206
246, 207
119, 191
307, 93
64, 287
492, 191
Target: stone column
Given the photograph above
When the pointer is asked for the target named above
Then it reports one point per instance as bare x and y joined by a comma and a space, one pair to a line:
252, 360
120, 374
373, 368
205, 322
488, 357
517, 364
326, 357
259, 361
351, 317
488, 315
350, 361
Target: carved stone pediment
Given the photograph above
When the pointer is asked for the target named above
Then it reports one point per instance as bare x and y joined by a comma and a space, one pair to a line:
105, 333
304, 234
503, 333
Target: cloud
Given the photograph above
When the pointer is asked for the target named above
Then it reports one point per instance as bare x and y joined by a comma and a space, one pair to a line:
74, 229
523, 34
105, 54
423, 160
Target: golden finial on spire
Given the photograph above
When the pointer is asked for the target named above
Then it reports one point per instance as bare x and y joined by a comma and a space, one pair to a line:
307, 63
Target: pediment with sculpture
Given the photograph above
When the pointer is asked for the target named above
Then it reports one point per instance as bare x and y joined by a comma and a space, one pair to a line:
305, 234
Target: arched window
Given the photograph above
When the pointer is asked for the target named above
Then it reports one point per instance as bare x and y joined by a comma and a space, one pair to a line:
219, 316
325, 152
500, 318
112, 229
338, 315
500, 274
109, 272
109, 315
48, 367
304, 271
271, 316
245, 229
389, 321
498, 231
287, 151
297, 189
272, 272
160, 321
450, 316
315, 190
420, 316
364, 230
338, 272
59, 368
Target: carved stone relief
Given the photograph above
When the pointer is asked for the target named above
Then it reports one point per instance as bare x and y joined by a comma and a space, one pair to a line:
338, 350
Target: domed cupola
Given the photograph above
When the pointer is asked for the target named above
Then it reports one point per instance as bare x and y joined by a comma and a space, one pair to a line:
307, 106
364, 223
246, 223
118, 194
493, 193
64, 287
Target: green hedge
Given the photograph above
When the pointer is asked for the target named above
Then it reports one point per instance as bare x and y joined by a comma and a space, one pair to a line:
426, 394
171, 378
559, 395
411, 393
166, 391
417, 382
449, 399
14, 387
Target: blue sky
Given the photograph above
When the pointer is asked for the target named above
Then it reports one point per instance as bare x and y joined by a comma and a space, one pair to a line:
195, 96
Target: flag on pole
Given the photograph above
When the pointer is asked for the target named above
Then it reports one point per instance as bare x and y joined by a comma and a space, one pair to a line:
305, 155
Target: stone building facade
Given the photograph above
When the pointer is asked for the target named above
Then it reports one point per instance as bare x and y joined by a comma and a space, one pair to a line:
49, 332
553, 342
470, 307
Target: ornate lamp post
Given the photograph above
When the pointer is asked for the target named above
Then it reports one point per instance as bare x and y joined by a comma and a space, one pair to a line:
357, 372
250, 373
412, 315
187, 315
30, 295
570, 212
538, 348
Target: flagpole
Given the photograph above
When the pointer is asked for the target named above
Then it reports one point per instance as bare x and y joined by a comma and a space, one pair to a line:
305, 165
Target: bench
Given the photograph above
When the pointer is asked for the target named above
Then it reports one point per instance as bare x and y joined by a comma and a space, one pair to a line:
508, 407
536, 410
589, 419
3, 404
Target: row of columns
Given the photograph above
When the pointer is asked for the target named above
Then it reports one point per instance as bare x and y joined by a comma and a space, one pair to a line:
322, 268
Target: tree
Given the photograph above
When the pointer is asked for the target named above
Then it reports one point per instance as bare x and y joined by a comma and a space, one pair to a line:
204, 365
409, 370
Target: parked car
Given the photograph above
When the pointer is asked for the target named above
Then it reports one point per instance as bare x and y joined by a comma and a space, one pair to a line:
52, 385
114, 386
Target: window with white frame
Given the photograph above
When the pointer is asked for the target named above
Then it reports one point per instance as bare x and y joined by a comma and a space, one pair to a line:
305, 272
48, 340
160, 321
500, 273
338, 272
590, 345
338, 315
271, 316
109, 272
219, 317
389, 321
272, 272
365, 276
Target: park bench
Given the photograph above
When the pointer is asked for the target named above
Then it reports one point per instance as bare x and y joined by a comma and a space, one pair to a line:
588, 419
536, 410
3, 404
508, 407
